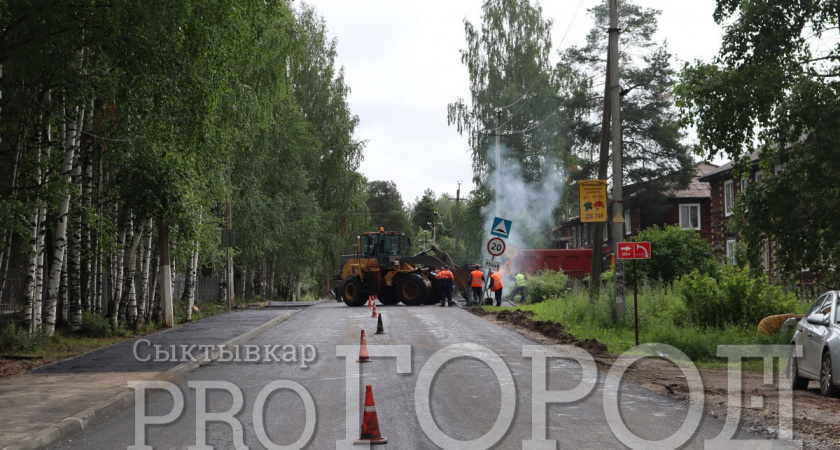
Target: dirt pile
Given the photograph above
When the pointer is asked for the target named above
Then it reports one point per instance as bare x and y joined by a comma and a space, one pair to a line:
551, 330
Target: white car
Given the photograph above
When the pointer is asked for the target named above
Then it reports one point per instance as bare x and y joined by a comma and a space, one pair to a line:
818, 333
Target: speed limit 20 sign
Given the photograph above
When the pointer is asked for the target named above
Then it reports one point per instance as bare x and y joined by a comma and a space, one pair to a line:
496, 246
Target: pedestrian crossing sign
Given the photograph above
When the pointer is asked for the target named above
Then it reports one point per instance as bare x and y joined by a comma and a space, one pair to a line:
501, 227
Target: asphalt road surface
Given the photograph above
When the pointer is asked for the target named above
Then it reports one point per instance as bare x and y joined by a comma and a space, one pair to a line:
451, 380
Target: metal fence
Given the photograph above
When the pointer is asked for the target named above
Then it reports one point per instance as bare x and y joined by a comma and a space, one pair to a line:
206, 288
11, 301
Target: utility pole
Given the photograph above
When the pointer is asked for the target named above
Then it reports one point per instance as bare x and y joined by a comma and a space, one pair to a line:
433, 224
603, 167
457, 212
615, 110
498, 159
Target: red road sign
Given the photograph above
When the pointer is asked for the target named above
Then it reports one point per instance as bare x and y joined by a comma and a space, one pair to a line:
496, 246
633, 250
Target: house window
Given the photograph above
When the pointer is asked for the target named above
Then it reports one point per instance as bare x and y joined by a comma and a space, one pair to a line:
759, 176
730, 251
744, 183
690, 216
728, 197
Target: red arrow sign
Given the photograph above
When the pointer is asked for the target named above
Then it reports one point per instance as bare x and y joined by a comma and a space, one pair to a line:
633, 250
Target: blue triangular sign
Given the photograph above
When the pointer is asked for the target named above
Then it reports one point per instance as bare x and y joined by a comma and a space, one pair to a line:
501, 227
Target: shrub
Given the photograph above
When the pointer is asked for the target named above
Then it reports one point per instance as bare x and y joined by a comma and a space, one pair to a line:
546, 284
96, 326
675, 252
735, 298
16, 339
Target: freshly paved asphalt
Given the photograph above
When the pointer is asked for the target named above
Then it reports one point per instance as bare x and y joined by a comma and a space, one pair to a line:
464, 395
57, 401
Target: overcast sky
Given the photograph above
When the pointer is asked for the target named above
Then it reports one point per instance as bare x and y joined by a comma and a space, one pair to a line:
402, 63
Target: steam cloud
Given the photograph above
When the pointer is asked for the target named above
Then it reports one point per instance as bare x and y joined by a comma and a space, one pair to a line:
528, 205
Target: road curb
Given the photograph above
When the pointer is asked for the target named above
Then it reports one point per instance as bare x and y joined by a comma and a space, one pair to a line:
97, 414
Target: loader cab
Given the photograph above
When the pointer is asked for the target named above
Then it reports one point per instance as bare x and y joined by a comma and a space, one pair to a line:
386, 247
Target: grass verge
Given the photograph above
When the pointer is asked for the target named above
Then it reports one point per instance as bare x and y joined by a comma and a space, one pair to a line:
662, 319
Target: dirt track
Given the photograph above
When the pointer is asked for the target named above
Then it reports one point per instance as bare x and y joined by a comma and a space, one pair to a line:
816, 418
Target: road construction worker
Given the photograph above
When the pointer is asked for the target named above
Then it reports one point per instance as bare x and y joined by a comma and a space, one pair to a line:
446, 281
477, 286
496, 286
521, 288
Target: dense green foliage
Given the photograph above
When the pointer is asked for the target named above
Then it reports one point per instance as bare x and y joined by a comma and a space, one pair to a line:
676, 252
14, 339
775, 88
151, 117
732, 297
663, 318
546, 284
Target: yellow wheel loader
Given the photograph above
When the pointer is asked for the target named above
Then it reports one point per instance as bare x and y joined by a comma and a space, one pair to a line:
379, 268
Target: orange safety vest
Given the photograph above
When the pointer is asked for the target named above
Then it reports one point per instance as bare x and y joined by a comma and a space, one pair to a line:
445, 275
497, 282
477, 278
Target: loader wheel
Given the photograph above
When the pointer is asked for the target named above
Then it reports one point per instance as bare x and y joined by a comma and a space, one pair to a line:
388, 297
413, 289
352, 291
434, 294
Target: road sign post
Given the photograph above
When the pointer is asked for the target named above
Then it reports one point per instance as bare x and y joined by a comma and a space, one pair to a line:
634, 251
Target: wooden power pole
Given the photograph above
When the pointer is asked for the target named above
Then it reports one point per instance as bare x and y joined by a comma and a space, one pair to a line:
615, 110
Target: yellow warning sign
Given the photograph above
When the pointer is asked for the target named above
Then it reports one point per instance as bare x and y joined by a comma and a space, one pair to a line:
593, 200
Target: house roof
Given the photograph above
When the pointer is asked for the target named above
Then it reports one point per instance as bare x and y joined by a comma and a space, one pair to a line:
697, 188
726, 168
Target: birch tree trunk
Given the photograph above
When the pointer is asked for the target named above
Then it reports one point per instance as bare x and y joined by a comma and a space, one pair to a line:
129, 292
35, 266
122, 300
165, 277
87, 281
190, 282
154, 296
173, 246
40, 269
142, 296
115, 290
29, 280
96, 287
61, 315
60, 241
74, 260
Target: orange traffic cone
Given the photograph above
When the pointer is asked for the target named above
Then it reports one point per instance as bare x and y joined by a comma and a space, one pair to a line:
374, 311
370, 423
375, 298
363, 350
370, 301
379, 328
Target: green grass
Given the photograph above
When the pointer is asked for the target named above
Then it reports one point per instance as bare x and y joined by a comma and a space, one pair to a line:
662, 319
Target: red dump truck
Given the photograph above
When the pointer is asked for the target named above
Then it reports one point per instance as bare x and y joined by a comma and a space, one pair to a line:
576, 263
